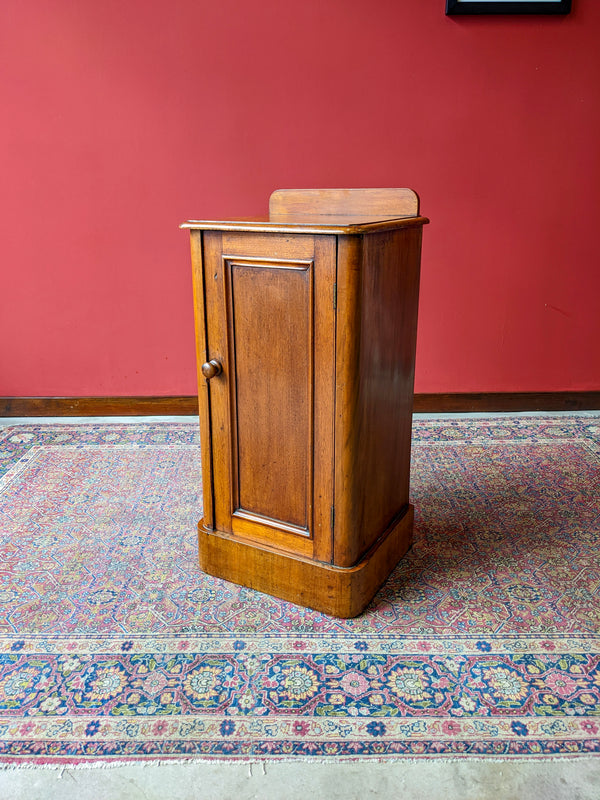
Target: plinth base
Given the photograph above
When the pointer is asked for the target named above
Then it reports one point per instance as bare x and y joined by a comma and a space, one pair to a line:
337, 591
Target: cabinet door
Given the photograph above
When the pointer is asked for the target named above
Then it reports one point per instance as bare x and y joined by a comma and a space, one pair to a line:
270, 323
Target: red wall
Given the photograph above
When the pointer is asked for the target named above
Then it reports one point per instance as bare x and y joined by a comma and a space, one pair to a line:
121, 119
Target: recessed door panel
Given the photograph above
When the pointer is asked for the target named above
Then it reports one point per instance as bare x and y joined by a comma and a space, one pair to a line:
271, 345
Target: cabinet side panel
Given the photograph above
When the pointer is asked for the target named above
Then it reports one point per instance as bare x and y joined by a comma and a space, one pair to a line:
203, 398
377, 427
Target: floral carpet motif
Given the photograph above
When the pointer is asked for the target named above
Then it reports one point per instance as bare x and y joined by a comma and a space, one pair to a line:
483, 642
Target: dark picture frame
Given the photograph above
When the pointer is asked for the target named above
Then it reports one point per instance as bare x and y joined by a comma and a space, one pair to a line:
508, 6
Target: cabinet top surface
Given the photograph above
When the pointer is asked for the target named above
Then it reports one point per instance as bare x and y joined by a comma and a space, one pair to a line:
308, 223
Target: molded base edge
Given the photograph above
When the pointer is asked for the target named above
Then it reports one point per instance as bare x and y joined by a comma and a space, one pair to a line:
336, 591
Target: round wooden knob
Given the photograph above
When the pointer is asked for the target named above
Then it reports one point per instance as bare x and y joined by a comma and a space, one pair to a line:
211, 368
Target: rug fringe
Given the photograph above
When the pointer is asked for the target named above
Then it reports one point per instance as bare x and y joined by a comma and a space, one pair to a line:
65, 766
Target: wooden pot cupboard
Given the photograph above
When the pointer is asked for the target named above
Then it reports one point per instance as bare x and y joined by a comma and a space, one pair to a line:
306, 326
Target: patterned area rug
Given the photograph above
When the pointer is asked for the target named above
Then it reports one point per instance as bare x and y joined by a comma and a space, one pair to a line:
484, 642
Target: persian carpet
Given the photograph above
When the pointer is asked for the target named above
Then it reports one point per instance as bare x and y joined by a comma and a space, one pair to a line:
114, 646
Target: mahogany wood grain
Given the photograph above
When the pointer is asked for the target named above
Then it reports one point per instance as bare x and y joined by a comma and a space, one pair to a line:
270, 324
313, 224
347, 393
326, 588
196, 243
325, 314
378, 285
272, 371
377, 203
217, 390
276, 245
306, 354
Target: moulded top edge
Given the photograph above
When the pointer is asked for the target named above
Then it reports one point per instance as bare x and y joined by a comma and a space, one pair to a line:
318, 224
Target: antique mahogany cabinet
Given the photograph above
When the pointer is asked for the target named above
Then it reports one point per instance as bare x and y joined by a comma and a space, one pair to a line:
306, 325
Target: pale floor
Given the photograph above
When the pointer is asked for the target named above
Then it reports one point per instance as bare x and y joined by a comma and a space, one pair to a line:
563, 779
422, 780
